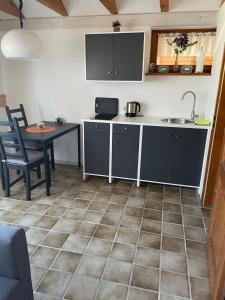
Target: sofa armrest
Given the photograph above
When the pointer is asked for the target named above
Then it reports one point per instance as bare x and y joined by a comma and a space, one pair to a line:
14, 258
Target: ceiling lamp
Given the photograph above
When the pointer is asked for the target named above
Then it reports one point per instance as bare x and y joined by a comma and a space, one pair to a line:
21, 43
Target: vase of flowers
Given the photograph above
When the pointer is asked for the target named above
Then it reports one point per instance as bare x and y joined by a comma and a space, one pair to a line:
180, 44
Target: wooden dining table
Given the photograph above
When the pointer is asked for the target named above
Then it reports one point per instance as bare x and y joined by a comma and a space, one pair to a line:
46, 138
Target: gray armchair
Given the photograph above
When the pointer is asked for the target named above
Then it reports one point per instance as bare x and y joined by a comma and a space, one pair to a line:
15, 277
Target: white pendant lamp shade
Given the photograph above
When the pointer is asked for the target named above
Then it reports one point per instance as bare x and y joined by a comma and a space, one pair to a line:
21, 44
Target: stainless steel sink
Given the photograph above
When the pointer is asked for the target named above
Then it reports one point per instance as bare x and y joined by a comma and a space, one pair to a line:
176, 121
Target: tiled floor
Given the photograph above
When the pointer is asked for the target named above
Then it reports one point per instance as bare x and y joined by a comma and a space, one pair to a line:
95, 240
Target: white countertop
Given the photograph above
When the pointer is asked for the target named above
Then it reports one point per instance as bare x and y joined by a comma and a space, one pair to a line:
144, 120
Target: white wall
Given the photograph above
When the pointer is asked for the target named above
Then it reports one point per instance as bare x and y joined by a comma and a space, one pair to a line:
56, 86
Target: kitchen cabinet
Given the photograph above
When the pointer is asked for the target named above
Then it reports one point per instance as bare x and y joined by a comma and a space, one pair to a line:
172, 155
125, 147
115, 56
99, 57
96, 148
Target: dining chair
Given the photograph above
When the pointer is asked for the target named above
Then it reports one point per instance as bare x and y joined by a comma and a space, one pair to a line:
23, 121
15, 156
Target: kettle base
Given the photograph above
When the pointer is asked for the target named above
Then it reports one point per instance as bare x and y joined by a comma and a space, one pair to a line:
130, 114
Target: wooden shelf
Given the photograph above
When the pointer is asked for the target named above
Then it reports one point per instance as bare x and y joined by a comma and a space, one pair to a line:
177, 74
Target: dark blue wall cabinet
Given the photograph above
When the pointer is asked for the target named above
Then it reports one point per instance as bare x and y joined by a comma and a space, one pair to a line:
125, 145
96, 145
115, 56
173, 155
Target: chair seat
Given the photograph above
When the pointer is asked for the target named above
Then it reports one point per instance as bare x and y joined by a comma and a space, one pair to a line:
32, 157
10, 289
33, 146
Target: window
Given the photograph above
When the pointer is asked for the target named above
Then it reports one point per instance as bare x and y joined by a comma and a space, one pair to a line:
163, 54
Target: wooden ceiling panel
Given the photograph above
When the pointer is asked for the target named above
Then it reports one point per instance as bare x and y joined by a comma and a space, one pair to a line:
8, 7
110, 5
164, 4
56, 5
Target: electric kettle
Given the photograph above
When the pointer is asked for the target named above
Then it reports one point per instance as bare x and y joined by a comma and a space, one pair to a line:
132, 109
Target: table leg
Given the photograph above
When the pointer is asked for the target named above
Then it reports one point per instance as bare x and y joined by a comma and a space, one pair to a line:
48, 169
78, 145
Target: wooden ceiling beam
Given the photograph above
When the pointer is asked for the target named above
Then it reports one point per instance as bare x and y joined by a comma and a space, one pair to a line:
164, 4
9, 7
110, 5
56, 5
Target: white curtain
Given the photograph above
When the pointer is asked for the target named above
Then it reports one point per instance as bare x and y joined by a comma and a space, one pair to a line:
206, 40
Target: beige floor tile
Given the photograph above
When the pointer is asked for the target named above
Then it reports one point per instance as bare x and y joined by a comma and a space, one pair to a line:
150, 240
64, 225
147, 257
171, 284
196, 248
200, 288
117, 271
99, 247
198, 267
146, 278
174, 230
92, 266
46, 222
66, 261
76, 243
110, 290
123, 252
55, 239
35, 235
151, 226
195, 234
105, 232
56, 211
36, 274
110, 219
130, 222
174, 262
54, 283
152, 214
86, 229
136, 294
173, 244
128, 236
43, 257
82, 287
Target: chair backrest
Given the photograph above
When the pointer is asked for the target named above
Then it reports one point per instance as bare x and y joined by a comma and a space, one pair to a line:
11, 142
12, 113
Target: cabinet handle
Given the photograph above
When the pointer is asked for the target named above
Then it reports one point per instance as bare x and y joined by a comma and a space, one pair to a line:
117, 72
177, 136
109, 72
96, 126
125, 128
170, 135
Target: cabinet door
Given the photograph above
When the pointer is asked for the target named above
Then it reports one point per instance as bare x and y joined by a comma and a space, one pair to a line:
99, 56
188, 146
125, 146
128, 56
96, 148
156, 153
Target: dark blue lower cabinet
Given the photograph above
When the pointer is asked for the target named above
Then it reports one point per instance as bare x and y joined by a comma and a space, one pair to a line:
155, 154
188, 147
125, 147
173, 155
96, 148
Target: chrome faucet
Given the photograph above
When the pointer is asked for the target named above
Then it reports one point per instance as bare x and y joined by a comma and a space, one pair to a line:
193, 115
